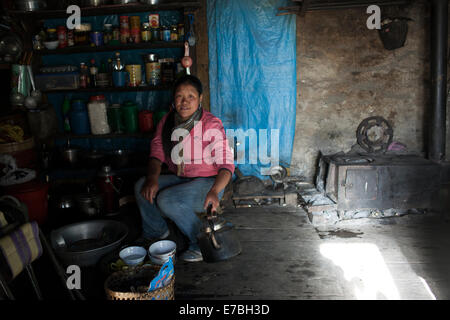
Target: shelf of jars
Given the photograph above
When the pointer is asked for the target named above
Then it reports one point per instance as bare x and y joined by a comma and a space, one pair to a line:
148, 135
105, 48
111, 89
108, 9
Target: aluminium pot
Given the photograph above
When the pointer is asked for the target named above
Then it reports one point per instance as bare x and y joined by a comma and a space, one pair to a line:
90, 204
70, 156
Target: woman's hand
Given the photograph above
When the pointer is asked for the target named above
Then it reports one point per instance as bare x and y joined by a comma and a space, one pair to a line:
213, 198
150, 189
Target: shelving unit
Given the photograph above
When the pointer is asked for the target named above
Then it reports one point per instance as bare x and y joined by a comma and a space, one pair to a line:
148, 135
106, 48
31, 24
112, 89
105, 10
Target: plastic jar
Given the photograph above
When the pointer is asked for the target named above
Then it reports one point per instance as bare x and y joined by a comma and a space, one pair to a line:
115, 118
107, 33
79, 118
130, 117
81, 34
98, 117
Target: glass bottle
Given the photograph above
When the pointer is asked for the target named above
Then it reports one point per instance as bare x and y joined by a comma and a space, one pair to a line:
93, 73
117, 64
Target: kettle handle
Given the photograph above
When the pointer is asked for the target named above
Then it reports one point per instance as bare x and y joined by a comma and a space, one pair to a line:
209, 210
212, 237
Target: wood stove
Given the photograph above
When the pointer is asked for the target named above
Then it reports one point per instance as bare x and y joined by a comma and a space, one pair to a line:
355, 182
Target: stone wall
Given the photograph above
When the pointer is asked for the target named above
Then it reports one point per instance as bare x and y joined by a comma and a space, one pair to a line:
345, 75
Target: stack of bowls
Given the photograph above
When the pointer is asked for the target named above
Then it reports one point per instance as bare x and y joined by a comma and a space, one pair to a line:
161, 251
133, 256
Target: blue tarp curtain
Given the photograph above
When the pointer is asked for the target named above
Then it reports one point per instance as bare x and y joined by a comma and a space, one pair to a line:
252, 72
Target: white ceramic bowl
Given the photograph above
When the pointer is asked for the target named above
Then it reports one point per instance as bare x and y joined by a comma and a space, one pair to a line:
51, 45
162, 249
133, 255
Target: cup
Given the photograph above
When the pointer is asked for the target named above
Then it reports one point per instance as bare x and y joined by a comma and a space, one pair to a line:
120, 78
135, 73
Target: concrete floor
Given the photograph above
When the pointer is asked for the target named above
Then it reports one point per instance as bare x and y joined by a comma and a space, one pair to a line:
285, 257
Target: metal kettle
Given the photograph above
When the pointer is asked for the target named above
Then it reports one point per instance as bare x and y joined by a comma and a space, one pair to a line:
217, 239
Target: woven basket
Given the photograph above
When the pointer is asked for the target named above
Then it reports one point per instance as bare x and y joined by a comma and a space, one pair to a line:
17, 146
118, 284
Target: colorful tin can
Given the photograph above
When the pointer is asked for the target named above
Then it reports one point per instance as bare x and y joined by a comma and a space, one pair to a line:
154, 34
165, 34
173, 33
135, 22
135, 35
97, 38
153, 20
70, 38
115, 36
145, 32
124, 29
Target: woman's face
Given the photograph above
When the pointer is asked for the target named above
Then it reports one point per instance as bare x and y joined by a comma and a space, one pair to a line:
187, 100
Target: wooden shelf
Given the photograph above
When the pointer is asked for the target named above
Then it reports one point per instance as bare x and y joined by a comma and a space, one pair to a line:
108, 10
121, 47
66, 136
112, 89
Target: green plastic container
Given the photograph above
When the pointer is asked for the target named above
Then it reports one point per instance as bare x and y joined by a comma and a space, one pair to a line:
130, 117
115, 118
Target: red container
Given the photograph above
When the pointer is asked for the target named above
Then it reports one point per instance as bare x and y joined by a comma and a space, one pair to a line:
135, 34
145, 121
124, 29
62, 36
35, 196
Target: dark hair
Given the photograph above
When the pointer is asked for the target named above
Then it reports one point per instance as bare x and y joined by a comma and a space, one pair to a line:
170, 121
191, 80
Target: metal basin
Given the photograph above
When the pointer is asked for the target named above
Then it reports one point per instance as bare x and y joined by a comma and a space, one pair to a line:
84, 243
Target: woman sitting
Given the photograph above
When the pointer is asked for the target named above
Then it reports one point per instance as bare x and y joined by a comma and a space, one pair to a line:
201, 163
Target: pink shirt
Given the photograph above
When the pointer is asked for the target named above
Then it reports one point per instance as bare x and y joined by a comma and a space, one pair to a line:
205, 148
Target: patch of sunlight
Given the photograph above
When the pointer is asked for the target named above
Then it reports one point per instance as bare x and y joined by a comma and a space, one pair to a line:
364, 267
427, 288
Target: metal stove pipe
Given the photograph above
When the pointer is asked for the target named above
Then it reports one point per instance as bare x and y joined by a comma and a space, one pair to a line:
438, 60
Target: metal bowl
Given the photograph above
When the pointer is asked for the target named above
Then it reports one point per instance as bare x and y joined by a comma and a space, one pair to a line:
84, 243
94, 3
124, 1
30, 5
